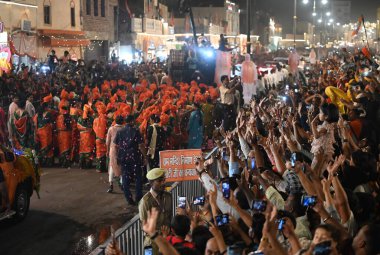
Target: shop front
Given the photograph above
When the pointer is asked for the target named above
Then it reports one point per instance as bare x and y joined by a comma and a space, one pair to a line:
24, 48
150, 39
61, 41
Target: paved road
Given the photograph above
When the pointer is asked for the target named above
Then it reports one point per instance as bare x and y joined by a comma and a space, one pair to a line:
74, 208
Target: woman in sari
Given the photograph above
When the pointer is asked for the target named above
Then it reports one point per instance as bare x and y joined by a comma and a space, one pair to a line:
64, 133
195, 128
100, 129
87, 138
43, 123
22, 128
75, 113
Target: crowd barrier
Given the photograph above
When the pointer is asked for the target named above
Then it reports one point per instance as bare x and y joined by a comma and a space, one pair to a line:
130, 236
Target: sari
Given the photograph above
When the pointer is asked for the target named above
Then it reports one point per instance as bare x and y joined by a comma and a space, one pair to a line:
195, 128
86, 142
22, 130
74, 113
44, 137
64, 133
100, 129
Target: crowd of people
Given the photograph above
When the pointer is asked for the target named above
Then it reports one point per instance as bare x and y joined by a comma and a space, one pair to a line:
298, 171
298, 166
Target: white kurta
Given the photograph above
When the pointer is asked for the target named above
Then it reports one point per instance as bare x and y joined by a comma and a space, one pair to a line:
249, 79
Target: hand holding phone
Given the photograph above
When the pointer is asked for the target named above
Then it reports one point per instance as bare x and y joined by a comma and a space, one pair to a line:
323, 248
259, 205
222, 219
182, 202
199, 200
309, 201
281, 224
296, 156
226, 188
148, 250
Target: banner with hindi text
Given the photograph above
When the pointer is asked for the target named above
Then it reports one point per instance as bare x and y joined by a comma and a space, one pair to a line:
180, 164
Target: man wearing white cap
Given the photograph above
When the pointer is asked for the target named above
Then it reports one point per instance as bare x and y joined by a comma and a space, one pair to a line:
157, 197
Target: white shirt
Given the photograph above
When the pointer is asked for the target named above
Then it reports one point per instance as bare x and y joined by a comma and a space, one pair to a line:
225, 97
208, 184
12, 108
29, 108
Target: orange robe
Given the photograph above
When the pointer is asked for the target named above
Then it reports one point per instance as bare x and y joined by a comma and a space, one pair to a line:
100, 129
86, 139
63, 136
44, 135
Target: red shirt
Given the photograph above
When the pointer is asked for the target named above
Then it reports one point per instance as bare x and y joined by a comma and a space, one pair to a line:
176, 240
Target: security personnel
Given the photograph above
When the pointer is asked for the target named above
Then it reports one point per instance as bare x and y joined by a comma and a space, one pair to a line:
159, 198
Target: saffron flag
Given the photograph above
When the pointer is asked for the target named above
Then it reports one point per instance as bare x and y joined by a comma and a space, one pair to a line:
366, 52
358, 26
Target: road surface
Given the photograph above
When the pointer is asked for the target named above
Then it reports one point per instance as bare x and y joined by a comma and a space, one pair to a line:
73, 210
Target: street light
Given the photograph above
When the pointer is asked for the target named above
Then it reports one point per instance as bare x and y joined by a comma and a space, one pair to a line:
328, 13
295, 23
324, 2
331, 20
295, 20
314, 14
319, 20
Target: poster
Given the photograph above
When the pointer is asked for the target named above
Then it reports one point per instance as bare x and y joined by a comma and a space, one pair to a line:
5, 59
180, 164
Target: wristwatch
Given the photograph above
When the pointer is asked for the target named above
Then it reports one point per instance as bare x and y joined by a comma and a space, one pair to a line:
154, 236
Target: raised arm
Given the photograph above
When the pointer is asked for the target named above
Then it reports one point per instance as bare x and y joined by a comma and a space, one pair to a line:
149, 227
340, 199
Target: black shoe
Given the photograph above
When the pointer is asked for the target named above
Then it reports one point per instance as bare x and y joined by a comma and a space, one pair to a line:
110, 189
131, 201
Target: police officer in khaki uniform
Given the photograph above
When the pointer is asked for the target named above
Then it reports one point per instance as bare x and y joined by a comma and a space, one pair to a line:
159, 198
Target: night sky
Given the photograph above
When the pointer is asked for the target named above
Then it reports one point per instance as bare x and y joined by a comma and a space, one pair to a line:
283, 10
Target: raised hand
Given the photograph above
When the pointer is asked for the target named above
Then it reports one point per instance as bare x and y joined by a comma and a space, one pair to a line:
332, 167
232, 200
270, 222
149, 226
213, 194
165, 231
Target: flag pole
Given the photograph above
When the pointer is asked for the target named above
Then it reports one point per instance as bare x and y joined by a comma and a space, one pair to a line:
365, 31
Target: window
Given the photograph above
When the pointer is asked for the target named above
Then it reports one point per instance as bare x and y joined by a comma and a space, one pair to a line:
72, 13
47, 14
88, 7
103, 8
96, 11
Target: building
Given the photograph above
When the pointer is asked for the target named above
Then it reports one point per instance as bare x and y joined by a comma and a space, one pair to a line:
19, 23
100, 26
59, 28
211, 19
38, 26
221, 13
341, 11
145, 30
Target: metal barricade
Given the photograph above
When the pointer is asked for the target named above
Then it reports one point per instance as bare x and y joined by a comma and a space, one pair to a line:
130, 236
